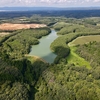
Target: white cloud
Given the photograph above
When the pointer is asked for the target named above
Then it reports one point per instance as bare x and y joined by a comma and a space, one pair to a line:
50, 2
96, 1
87, 0
53, 1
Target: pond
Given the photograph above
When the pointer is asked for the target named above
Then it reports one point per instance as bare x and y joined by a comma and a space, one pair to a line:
43, 50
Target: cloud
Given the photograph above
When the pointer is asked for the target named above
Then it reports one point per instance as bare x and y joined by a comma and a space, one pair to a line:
50, 2
96, 1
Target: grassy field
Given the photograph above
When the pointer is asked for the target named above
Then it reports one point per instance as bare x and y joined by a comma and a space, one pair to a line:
76, 59
85, 39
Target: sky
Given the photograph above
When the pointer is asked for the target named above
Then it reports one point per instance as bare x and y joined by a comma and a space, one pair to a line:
50, 3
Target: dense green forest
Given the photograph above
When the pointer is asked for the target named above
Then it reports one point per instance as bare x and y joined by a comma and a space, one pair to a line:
18, 45
25, 78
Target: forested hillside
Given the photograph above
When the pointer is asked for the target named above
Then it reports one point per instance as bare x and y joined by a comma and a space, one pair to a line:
24, 77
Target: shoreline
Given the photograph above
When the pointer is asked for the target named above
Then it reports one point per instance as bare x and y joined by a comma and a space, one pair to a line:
36, 58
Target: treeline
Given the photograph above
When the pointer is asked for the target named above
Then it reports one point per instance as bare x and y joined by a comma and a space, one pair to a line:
16, 46
77, 28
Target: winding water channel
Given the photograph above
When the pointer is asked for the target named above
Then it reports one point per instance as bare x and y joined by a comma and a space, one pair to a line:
43, 50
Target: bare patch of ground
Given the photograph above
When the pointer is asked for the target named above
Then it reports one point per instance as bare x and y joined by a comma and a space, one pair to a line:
10, 26
4, 33
36, 58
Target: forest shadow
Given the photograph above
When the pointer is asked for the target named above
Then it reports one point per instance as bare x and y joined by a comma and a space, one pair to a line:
38, 67
49, 58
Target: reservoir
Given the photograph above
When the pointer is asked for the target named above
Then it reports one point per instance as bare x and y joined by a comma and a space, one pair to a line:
43, 50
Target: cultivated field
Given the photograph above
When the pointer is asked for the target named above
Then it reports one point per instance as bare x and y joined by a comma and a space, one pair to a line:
10, 26
85, 39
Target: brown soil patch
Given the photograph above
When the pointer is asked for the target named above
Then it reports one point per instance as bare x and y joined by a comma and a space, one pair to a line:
10, 26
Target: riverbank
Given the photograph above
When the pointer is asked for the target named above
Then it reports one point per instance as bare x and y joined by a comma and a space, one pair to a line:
43, 50
35, 58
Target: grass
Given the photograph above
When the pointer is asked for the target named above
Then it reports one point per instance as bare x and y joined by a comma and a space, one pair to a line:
85, 39
75, 59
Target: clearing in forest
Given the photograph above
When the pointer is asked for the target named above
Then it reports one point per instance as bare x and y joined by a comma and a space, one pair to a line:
85, 39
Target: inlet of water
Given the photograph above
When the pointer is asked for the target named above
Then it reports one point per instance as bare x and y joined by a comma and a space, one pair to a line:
43, 50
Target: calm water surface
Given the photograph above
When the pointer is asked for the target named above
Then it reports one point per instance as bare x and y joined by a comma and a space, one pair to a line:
43, 50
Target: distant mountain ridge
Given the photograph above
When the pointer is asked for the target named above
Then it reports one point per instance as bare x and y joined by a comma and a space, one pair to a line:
45, 8
11, 12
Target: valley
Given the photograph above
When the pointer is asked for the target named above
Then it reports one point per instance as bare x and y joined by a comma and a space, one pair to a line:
57, 59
